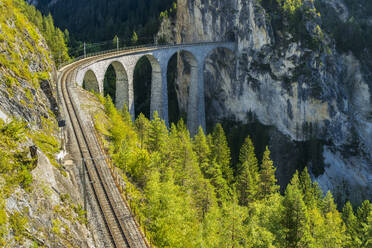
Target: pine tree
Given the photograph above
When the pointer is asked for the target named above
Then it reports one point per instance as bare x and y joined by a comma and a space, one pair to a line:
221, 152
328, 203
134, 39
351, 222
109, 105
172, 218
115, 41
246, 186
222, 189
142, 124
367, 231
248, 176
295, 220
158, 134
232, 231
313, 195
333, 224
363, 213
202, 150
267, 176
306, 186
127, 118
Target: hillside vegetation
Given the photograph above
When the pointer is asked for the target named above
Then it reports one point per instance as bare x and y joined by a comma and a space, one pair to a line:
187, 195
32, 213
101, 20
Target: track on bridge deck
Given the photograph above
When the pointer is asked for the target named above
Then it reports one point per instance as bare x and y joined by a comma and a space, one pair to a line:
118, 219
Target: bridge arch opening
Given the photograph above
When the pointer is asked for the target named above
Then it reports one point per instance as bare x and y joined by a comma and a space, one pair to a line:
90, 82
147, 85
219, 76
116, 84
181, 63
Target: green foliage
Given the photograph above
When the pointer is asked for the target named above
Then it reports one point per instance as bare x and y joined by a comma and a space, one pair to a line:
115, 41
268, 181
295, 219
15, 166
134, 38
54, 37
221, 152
290, 6
3, 221
116, 17
20, 41
46, 143
18, 223
170, 12
177, 186
248, 177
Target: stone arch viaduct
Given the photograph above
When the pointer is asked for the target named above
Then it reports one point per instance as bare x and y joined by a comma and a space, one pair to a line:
93, 74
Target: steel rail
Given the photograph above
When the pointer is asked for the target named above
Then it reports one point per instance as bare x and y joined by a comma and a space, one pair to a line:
107, 204
104, 187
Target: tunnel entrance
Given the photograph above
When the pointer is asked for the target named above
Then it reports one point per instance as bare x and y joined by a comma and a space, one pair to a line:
142, 87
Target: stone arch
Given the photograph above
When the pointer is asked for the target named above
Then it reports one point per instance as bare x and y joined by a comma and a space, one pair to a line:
157, 100
186, 88
219, 74
122, 87
90, 82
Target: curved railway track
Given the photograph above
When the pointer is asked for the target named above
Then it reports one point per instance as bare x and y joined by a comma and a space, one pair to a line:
118, 219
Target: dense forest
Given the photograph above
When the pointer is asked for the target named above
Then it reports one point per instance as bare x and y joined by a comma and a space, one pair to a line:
55, 38
186, 194
100, 20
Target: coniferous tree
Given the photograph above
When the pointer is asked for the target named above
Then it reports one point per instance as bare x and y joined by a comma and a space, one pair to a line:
134, 39
351, 223
142, 124
221, 152
367, 231
328, 203
363, 213
295, 220
202, 150
333, 224
222, 189
313, 195
115, 41
232, 232
248, 175
158, 134
268, 181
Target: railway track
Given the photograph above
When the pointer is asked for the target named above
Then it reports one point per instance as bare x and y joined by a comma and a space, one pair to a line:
118, 219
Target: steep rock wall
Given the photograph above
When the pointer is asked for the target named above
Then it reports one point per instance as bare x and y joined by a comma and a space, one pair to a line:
298, 86
42, 197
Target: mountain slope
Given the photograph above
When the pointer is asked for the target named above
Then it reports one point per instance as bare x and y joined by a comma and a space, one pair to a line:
40, 204
303, 86
101, 20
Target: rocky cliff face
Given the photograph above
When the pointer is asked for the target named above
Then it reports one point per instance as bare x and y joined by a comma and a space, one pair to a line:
311, 101
40, 201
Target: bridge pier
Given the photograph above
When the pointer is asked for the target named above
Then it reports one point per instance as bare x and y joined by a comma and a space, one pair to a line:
164, 111
156, 89
130, 106
125, 64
